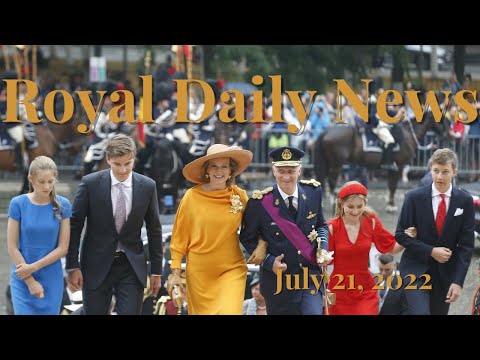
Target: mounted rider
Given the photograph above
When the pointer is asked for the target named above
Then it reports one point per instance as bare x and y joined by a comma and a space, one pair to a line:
13, 134
383, 131
164, 126
104, 129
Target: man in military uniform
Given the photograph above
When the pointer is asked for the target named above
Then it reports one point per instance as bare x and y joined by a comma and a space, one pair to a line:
289, 217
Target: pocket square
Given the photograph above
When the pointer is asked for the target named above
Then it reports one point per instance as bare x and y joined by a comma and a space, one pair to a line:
458, 212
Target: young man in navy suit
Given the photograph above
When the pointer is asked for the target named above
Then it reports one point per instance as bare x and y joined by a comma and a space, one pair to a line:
439, 257
115, 203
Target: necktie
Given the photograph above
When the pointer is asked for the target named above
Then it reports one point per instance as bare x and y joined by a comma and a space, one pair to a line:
383, 290
121, 209
441, 214
291, 208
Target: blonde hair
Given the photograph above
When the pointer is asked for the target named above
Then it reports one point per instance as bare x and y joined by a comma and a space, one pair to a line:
443, 157
367, 211
44, 163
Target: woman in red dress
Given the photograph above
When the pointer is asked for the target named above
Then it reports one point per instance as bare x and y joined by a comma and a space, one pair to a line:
476, 297
351, 232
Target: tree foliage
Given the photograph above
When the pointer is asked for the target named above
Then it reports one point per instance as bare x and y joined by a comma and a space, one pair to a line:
301, 66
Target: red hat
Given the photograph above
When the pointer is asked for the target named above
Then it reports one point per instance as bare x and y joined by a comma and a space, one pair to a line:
355, 188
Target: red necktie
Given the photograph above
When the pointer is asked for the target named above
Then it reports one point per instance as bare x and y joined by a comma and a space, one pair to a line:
441, 214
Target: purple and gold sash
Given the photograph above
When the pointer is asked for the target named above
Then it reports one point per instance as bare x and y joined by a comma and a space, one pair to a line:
290, 230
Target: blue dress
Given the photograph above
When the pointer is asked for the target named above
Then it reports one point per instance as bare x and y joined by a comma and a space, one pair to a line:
39, 230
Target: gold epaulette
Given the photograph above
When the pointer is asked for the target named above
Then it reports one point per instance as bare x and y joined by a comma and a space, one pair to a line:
258, 194
311, 182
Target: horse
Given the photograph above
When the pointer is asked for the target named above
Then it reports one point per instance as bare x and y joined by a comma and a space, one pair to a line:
166, 170
342, 144
47, 146
69, 140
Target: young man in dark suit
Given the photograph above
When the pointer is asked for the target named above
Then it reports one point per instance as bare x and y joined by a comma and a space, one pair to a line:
115, 203
439, 257
392, 295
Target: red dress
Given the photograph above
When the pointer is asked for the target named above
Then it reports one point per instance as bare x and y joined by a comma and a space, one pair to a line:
476, 303
351, 279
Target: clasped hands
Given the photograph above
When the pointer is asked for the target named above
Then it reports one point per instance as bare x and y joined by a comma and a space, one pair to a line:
24, 271
258, 255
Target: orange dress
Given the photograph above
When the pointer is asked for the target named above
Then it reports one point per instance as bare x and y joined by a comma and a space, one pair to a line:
206, 232
351, 279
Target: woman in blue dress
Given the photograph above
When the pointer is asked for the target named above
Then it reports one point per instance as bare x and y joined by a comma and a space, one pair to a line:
38, 234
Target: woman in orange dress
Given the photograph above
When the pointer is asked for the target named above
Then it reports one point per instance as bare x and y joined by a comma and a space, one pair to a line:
351, 232
206, 232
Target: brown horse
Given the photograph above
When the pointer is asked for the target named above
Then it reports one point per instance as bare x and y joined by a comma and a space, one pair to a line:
7, 160
67, 136
342, 144
47, 145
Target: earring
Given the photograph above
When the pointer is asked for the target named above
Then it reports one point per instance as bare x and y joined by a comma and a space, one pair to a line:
207, 176
229, 177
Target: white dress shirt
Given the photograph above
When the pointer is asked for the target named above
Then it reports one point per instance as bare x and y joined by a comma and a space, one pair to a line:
114, 193
127, 189
436, 199
286, 196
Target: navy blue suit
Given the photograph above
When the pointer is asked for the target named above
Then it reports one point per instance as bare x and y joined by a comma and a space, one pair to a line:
258, 223
101, 271
457, 235
394, 302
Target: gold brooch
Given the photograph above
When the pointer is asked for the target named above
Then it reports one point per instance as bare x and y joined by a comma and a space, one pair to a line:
236, 204
286, 154
277, 202
313, 235
311, 216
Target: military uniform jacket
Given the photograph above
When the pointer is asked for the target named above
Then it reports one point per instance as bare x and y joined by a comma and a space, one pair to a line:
257, 223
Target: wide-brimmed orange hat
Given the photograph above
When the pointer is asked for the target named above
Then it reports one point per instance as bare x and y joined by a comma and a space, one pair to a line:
243, 158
